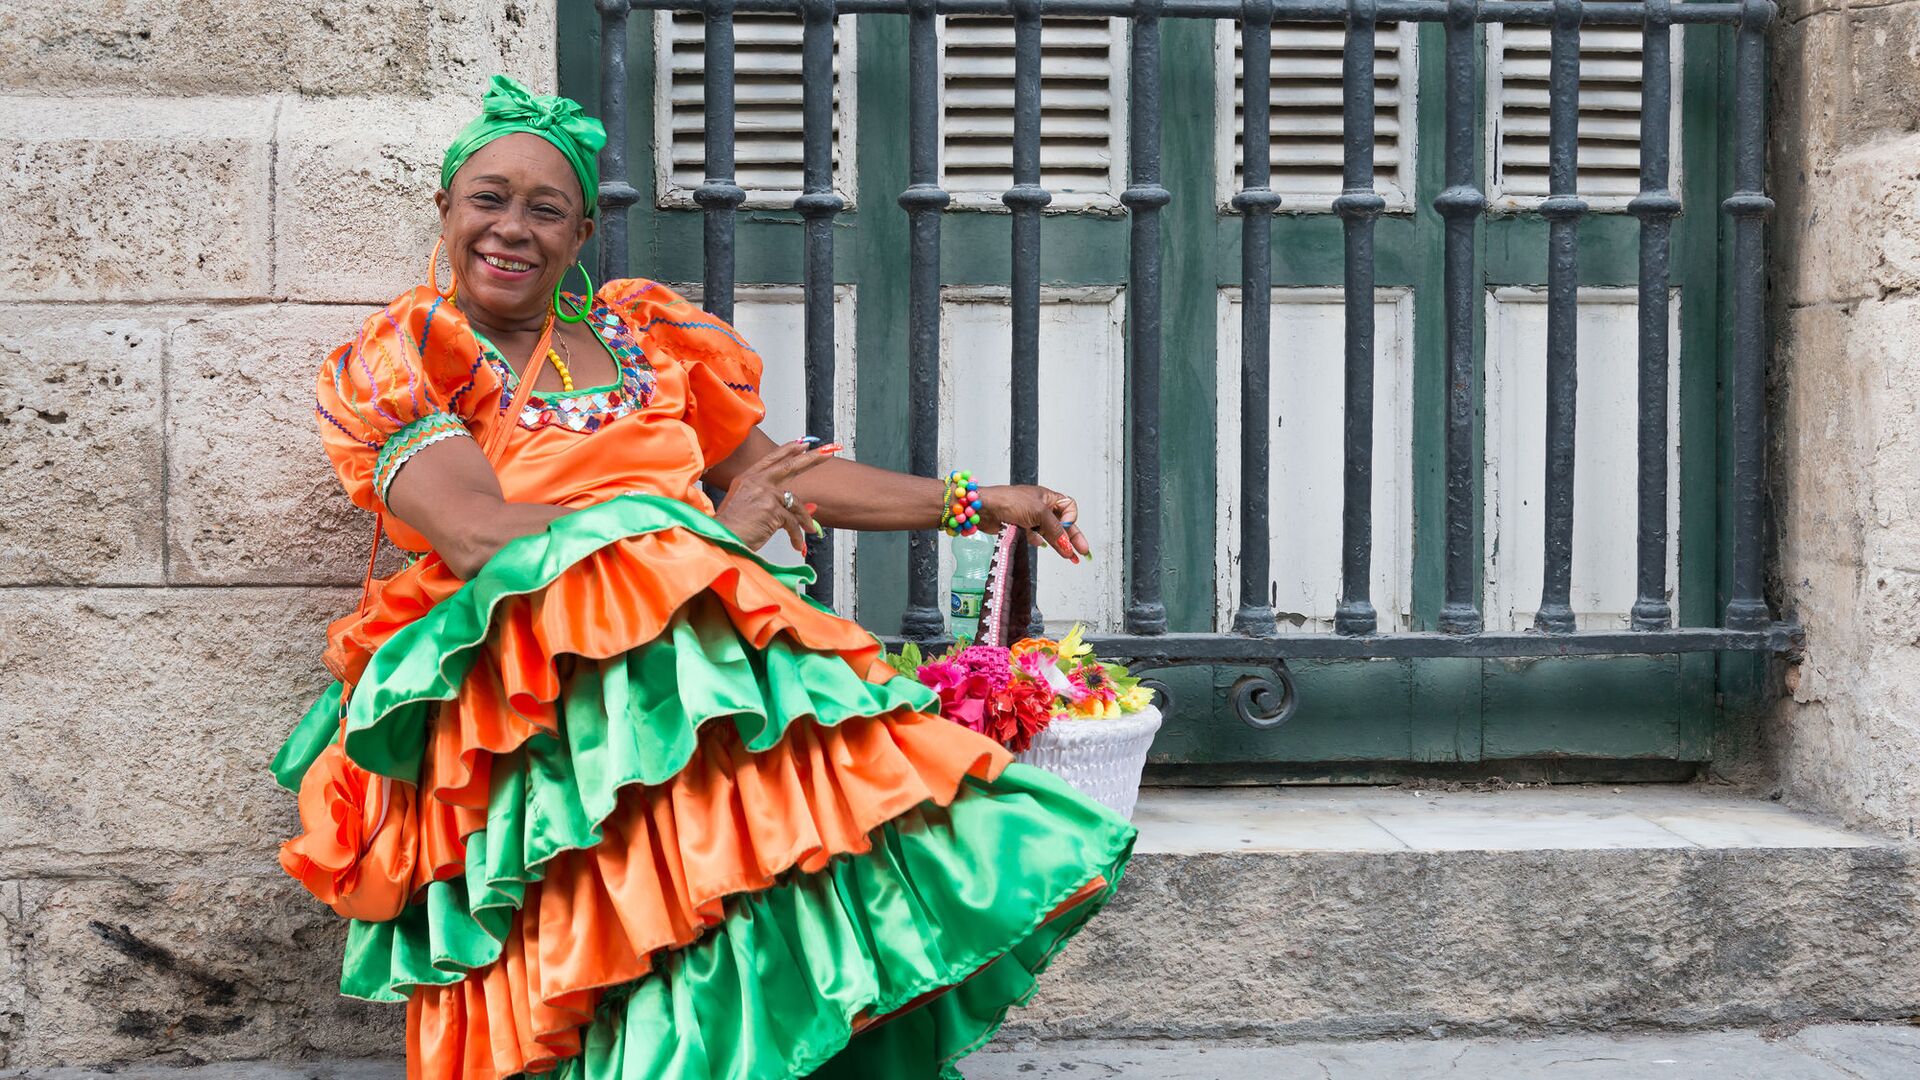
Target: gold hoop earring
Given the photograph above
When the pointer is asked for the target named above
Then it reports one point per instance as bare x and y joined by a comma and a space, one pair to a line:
433, 272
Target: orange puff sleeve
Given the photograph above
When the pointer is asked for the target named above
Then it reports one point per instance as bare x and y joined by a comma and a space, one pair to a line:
413, 376
723, 371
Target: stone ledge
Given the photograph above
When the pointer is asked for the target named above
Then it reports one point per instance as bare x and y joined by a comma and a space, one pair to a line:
1290, 914
1509, 914
135, 199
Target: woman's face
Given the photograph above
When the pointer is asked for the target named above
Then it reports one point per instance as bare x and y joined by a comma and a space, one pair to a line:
513, 219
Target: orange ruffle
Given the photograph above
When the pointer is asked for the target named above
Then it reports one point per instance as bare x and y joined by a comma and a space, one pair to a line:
358, 849
730, 822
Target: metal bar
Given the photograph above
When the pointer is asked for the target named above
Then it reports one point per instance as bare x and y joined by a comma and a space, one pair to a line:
1143, 198
1748, 206
923, 200
1256, 202
617, 195
1563, 209
1656, 207
817, 205
1539, 13
1358, 205
1461, 204
717, 194
1025, 199
1147, 651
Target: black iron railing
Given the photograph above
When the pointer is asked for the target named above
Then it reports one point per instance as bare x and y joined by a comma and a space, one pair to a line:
1268, 700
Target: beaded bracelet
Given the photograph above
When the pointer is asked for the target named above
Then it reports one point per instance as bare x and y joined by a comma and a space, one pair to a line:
962, 505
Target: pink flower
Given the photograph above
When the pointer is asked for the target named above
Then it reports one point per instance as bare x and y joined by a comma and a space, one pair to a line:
963, 694
991, 661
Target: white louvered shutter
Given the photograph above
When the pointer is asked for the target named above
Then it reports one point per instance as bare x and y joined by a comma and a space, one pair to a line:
1305, 106
767, 93
1610, 76
1082, 122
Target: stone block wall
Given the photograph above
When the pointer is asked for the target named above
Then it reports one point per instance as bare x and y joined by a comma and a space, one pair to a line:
197, 200
1846, 390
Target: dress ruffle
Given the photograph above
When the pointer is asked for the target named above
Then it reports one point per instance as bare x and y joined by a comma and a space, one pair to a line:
564, 593
629, 742
972, 899
657, 868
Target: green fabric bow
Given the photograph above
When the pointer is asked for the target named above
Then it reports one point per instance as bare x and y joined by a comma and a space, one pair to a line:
509, 107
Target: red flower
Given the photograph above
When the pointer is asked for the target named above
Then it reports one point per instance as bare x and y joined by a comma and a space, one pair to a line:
1018, 713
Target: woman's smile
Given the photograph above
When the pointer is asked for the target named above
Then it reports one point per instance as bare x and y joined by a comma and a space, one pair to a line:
504, 267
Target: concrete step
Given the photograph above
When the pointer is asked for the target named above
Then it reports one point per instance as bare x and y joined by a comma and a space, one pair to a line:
1826, 1052
1355, 913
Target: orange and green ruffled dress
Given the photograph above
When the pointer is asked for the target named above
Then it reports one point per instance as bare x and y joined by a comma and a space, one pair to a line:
627, 805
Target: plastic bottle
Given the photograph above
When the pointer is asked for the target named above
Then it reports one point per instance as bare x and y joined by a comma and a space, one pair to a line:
971, 557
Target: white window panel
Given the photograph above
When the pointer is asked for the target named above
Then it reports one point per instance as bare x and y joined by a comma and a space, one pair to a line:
1605, 450
1305, 105
772, 318
1083, 71
1306, 457
1082, 444
768, 156
1609, 131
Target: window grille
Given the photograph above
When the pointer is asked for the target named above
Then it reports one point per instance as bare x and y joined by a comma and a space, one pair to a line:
1305, 105
767, 106
1082, 109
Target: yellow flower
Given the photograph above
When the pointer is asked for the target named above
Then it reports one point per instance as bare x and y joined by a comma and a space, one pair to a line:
1073, 648
1135, 700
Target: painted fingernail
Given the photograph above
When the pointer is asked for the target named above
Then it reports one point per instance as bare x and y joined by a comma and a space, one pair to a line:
830, 449
808, 438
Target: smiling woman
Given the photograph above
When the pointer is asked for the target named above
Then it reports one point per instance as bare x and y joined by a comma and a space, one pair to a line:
603, 794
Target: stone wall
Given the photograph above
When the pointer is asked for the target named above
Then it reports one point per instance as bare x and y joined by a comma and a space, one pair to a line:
1846, 324
198, 199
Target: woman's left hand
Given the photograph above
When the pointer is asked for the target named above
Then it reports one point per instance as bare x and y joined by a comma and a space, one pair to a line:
1048, 516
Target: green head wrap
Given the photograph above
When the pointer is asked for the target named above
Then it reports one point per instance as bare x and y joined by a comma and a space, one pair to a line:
509, 107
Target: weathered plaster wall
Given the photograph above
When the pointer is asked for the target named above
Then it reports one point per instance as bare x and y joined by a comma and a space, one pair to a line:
1846, 293
197, 199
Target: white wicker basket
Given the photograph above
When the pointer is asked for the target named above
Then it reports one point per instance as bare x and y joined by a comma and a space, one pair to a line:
1103, 759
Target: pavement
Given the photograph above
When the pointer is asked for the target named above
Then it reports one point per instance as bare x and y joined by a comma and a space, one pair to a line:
1820, 1052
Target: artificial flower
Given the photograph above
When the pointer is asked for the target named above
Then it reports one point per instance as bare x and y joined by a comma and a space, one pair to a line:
1028, 646
963, 693
991, 661
1073, 648
1018, 713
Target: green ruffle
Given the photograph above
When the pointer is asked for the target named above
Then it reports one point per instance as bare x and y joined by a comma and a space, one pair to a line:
631, 719
310, 738
426, 661
945, 894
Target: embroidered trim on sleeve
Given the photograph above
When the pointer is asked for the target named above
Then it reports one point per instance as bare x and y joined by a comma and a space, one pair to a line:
410, 440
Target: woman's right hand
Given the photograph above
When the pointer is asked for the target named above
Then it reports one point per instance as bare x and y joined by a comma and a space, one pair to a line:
756, 507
